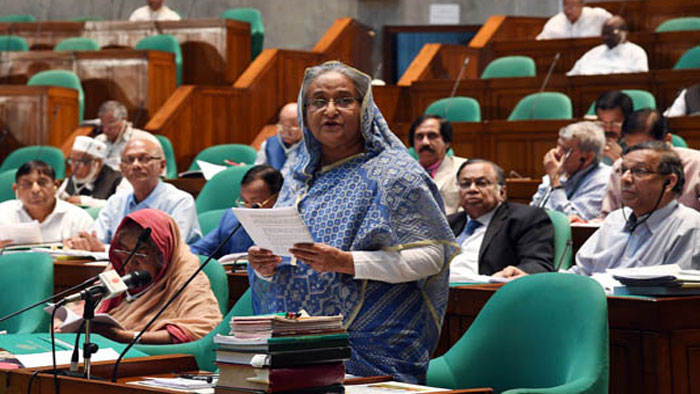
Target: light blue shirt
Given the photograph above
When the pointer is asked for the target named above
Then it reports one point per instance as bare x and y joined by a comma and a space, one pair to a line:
165, 197
670, 236
582, 195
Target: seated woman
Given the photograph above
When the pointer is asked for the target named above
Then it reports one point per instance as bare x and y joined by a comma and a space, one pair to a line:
169, 261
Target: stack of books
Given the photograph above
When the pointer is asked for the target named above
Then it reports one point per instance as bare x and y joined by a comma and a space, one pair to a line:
282, 354
660, 280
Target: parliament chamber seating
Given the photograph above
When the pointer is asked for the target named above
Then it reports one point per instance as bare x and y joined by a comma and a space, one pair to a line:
77, 44
208, 220
222, 190
48, 154
25, 278
544, 105
688, 23
456, 109
7, 178
171, 164
14, 18
165, 43
563, 253
13, 43
689, 60
510, 66
640, 99
220, 154
257, 28
63, 78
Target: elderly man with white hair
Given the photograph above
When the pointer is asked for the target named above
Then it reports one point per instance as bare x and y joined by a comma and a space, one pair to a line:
91, 182
576, 179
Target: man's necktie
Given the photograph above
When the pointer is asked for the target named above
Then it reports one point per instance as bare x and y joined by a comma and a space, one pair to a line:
471, 227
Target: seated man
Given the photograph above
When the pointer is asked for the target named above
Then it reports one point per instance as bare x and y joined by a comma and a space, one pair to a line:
647, 125
35, 187
155, 10
259, 189
431, 137
91, 182
687, 103
117, 131
616, 55
280, 149
142, 162
611, 109
576, 180
652, 228
575, 21
493, 233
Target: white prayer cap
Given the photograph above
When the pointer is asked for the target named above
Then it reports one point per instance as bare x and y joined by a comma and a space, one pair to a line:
90, 146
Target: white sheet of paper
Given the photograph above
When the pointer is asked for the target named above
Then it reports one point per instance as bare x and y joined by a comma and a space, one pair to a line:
21, 233
98, 256
389, 387
62, 357
209, 169
275, 229
71, 321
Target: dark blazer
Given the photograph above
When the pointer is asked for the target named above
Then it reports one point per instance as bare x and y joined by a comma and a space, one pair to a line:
518, 235
105, 185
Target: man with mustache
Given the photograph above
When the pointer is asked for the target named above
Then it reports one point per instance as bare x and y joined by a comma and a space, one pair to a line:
431, 137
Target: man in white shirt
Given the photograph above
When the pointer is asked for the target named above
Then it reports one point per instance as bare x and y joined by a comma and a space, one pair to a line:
35, 187
575, 21
154, 11
279, 150
687, 103
616, 55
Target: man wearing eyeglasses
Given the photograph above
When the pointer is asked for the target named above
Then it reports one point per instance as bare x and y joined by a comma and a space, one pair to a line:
141, 163
280, 149
611, 109
494, 233
615, 55
91, 182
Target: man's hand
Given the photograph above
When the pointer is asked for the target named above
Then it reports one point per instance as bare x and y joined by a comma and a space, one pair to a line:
85, 241
112, 332
263, 261
74, 200
324, 258
553, 166
510, 272
613, 150
5, 242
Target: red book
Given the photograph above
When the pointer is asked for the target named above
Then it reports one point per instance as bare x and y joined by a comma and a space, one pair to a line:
274, 380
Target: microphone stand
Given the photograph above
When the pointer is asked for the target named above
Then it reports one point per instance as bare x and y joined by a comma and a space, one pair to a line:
88, 347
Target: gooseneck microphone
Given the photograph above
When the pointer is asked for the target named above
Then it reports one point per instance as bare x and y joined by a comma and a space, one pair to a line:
545, 82
112, 285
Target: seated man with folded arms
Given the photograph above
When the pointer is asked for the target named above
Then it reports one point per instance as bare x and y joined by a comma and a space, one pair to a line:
91, 182
575, 21
494, 233
611, 109
280, 149
652, 228
576, 179
154, 10
615, 55
259, 189
431, 137
647, 125
35, 187
142, 162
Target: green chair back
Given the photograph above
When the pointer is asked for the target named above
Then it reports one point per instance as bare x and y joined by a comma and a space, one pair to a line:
209, 220
562, 237
222, 190
7, 178
678, 141
77, 44
218, 154
510, 66
48, 154
165, 43
171, 164
218, 281
541, 333
456, 109
689, 60
63, 78
94, 211
26, 278
15, 18
545, 105
640, 99
679, 24
13, 44
203, 349
257, 29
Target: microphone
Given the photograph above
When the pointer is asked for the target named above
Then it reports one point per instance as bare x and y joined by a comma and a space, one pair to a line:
545, 82
569, 245
112, 285
145, 234
459, 76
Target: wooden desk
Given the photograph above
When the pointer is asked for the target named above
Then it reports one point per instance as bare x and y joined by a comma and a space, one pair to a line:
190, 185
521, 190
141, 80
70, 273
653, 342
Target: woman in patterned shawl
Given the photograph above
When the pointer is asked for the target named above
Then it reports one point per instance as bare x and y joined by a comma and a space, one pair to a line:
383, 244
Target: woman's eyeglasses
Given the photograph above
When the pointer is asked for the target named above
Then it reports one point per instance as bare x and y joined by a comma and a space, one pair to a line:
254, 205
320, 103
126, 253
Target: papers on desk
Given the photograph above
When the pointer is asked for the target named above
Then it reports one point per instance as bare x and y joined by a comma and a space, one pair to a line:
73, 254
71, 321
178, 384
389, 387
21, 233
667, 279
275, 229
63, 357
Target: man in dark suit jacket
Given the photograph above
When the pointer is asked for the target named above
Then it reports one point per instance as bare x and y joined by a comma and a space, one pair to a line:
506, 233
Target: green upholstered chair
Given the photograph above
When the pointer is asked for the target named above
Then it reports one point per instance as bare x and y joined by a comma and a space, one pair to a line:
543, 333
171, 164
412, 152
17, 18
203, 349
456, 109
13, 44
48, 154
218, 154
257, 29
640, 99
7, 178
218, 281
690, 59
562, 237
510, 66
94, 211
222, 190
25, 278
545, 105
208, 220
77, 44
679, 24
164, 43
62, 78
678, 141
